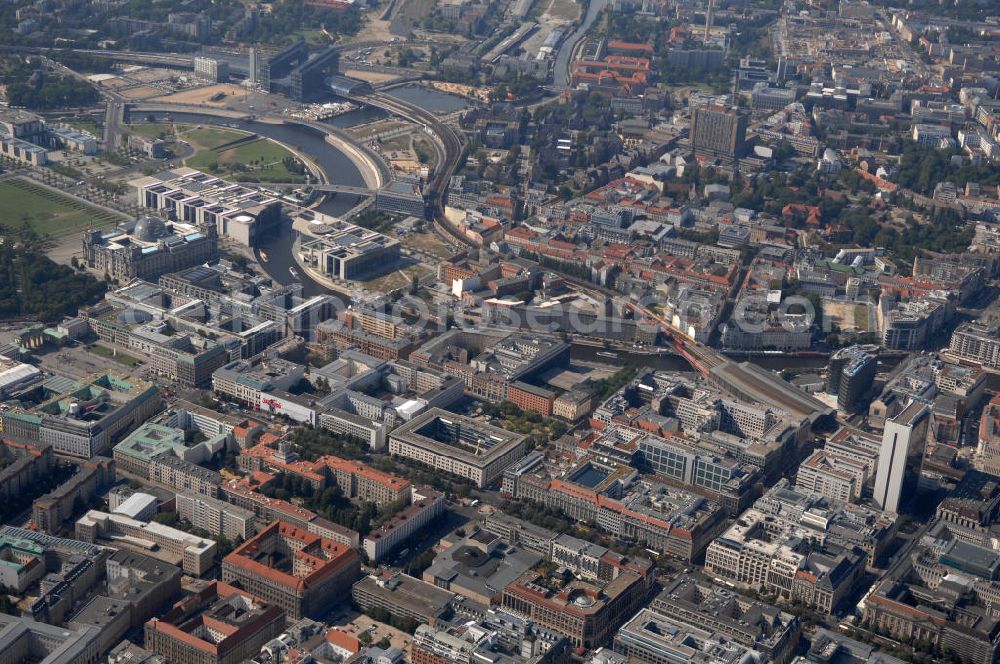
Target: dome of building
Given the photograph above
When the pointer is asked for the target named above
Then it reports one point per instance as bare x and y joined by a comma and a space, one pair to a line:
134, 317
149, 228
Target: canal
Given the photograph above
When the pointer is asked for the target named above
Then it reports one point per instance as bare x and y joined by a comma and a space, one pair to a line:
560, 72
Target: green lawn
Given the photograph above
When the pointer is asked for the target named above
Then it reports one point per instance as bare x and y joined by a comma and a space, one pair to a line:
211, 137
313, 37
49, 212
121, 358
258, 160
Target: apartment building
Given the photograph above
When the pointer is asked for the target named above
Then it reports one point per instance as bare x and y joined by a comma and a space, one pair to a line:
217, 517
490, 362
50, 512
695, 602
801, 547
211, 70
916, 602
832, 476
245, 383
153, 441
180, 475
425, 506
26, 640
821, 578
672, 520
987, 457
652, 638
701, 465
185, 358
355, 480
977, 342
24, 464
402, 596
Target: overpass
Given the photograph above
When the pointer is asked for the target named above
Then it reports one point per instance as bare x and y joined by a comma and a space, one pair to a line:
703, 358
375, 43
344, 189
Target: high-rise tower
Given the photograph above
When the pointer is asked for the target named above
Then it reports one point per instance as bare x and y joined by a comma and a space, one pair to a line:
902, 456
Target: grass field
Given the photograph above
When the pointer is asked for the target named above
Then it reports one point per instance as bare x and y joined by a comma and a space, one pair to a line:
412, 13
313, 37
396, 279
49, 212
121, 358
427, 241
258, 160
209, 138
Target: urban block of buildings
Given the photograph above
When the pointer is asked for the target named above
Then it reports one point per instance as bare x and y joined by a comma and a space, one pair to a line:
292, 569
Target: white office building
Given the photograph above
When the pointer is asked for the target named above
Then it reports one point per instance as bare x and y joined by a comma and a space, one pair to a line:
901, 456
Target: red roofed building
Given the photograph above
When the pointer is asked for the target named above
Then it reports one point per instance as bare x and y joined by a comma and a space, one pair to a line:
615, 72
294, 569
245, 434
217, 625
522, 237
531, 397
502, 205
344, 644
355, 479
630, 48
810, 214
683, 525
242, 494
884, 185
